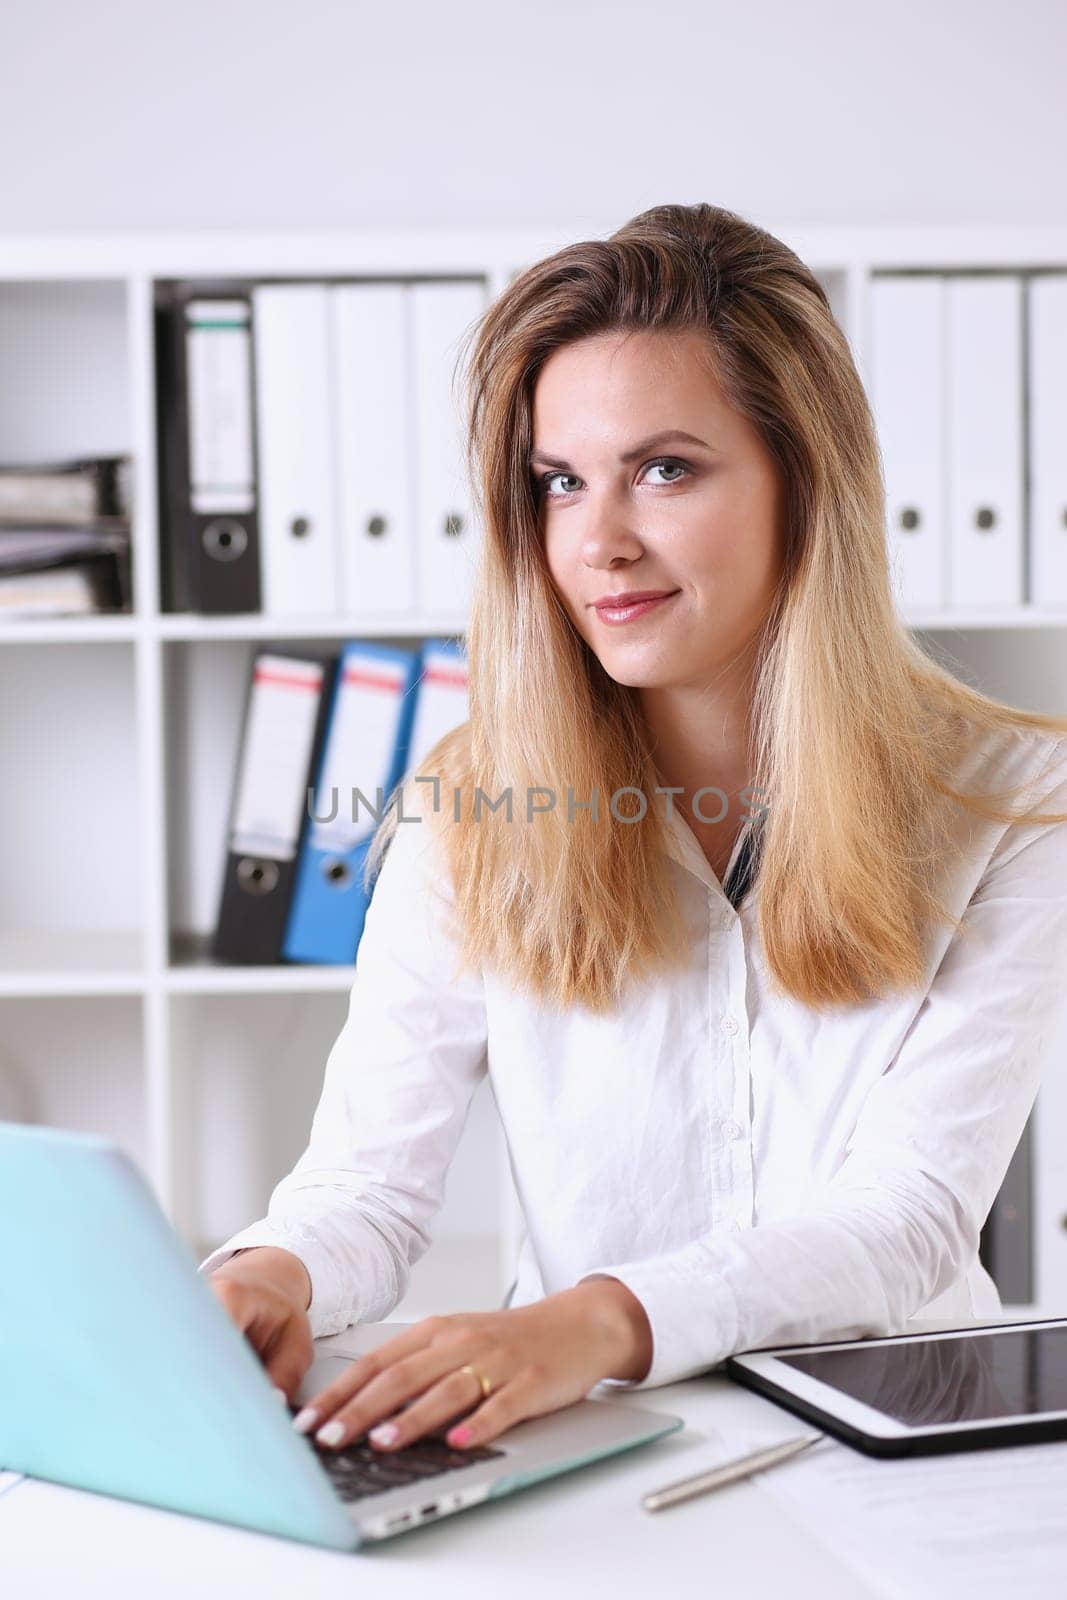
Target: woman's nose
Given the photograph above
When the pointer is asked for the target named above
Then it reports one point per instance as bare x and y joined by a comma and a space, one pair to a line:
609, 532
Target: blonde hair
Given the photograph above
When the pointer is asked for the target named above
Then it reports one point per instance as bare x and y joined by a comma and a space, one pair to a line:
855, 728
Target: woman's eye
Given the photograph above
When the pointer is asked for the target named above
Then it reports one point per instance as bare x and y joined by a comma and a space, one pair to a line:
670, 466
548, 476
679, 468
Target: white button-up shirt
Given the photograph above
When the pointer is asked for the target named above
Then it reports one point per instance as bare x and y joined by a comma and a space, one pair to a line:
757, 1173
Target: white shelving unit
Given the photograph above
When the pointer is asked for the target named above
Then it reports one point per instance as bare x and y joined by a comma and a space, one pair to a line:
119, 738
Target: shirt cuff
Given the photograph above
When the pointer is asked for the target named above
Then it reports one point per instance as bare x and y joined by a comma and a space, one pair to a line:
680, 1347
327, 1312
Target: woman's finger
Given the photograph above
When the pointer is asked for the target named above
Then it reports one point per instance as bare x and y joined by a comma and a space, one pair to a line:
527, 1395
279, 1335
389, 1390
288, 1360
362, 1371
445, 1401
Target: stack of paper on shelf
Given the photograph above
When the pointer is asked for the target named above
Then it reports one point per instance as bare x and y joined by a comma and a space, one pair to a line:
65, 537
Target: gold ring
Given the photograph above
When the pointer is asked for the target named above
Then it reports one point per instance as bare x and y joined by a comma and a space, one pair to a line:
480, 1378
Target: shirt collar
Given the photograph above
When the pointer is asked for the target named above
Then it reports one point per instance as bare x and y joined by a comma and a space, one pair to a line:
683, 846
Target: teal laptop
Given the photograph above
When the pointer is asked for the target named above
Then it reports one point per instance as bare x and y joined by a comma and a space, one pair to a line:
121, 1373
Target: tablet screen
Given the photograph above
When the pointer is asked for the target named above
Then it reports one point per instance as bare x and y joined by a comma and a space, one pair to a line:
924, 1382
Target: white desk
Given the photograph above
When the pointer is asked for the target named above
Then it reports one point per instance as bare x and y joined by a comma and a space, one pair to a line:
562, 1537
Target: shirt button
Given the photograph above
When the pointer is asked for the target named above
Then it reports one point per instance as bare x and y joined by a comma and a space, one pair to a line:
731, 1129
729, 1024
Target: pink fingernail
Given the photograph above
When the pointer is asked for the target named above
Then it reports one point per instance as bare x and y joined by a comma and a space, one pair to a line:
384, 1433
305, 1420
458, 1435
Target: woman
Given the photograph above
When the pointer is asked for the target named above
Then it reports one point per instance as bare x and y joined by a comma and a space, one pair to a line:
761, 964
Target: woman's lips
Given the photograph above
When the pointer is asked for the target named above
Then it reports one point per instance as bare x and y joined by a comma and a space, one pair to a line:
630, 613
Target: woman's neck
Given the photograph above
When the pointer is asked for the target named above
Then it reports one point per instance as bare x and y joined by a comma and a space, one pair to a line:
700, 741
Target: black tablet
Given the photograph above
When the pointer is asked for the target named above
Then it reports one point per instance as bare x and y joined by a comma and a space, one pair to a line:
923, 1393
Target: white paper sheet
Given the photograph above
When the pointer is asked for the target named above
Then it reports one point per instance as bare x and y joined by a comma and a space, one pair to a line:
983, 1523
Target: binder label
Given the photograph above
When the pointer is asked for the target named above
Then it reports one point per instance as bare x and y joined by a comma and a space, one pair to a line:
271, 789
359, 754
218, 343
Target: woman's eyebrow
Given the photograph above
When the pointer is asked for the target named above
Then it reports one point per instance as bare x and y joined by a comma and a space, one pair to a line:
654, 442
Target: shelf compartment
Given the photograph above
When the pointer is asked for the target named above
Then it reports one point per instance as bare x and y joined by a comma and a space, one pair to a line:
71, 863
64, 368
65, 393
247, 1073
64, 961
193, 971
76, 1064
205, 685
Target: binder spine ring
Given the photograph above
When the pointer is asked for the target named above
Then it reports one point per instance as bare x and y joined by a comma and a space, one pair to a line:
256, 875
224, 539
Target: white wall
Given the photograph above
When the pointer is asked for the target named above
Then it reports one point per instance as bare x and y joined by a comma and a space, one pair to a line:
233, 113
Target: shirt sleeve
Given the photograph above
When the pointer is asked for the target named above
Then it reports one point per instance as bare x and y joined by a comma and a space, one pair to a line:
900, 1221
357, 1206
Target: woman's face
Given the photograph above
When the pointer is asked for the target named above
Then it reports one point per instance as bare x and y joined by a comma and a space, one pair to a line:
628, 505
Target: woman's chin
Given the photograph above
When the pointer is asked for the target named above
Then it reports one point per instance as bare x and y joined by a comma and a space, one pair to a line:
633, 675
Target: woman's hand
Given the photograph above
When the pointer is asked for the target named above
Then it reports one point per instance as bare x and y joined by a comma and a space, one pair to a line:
266, 1292
539, 1357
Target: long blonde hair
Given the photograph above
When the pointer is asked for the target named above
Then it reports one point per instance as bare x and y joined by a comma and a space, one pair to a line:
855, 728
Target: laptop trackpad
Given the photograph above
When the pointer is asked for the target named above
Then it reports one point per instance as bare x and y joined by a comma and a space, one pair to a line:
338, 1351
323, 1370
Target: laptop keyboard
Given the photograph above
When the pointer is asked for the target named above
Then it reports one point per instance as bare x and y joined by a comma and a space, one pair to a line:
359, 1469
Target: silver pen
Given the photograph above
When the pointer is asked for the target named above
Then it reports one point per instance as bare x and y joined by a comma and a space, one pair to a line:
687, 1488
